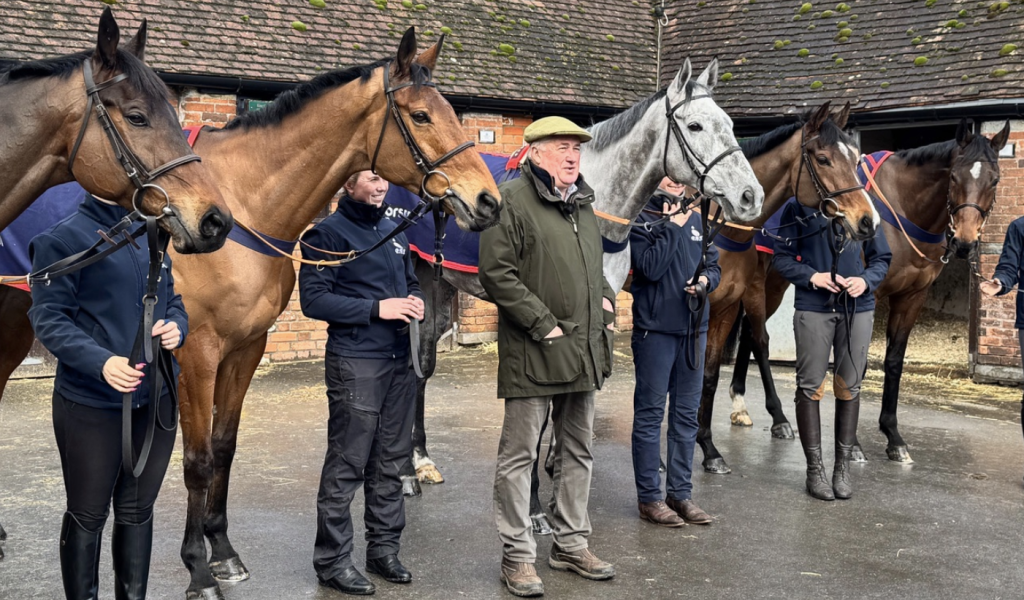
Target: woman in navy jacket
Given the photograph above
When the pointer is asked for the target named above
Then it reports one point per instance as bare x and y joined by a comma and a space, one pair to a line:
1008, 275
668, 355
831, 316
90, 320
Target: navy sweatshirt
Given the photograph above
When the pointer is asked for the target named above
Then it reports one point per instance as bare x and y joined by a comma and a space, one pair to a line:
93, 314
1008, 271
664, 260
348, 297
801, 259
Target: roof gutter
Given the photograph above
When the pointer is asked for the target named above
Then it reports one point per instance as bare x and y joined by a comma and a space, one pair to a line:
266, 90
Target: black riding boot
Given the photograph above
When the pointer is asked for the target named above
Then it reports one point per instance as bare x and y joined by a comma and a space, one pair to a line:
79, 559
133, 545
808, 420
847, 412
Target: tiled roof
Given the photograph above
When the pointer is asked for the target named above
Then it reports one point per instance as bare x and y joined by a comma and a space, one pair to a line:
587, 52
780, 56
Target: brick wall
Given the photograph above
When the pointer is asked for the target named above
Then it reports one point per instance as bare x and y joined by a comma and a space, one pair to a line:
996, 355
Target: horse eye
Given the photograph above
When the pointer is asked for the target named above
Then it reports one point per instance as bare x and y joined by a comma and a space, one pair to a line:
137, 120
421, 117
695, 127
823, 160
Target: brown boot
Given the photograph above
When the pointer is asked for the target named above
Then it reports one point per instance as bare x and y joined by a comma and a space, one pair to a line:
689, 511
659, 514
521, 579
582, 562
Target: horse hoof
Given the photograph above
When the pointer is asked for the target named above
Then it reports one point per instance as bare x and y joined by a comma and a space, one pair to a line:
782, 431
210, 593
411, 487
741, 419
231, 569
716, 466
429, 474
857, 455
541, 525
899, 454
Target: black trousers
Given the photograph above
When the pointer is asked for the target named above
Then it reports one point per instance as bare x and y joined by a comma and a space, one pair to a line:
369, 440
89, 442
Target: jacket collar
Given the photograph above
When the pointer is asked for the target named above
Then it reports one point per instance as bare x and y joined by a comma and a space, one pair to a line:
361, 212
101, 212
544, 185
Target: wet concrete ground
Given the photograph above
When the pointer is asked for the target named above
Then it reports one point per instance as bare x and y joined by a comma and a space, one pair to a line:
948, 526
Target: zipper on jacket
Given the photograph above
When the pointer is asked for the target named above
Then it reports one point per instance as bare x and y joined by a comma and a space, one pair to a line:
590, 311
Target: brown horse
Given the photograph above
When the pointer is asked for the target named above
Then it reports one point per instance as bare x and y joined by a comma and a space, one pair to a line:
945, 187
278, 168
787, 161
43, 108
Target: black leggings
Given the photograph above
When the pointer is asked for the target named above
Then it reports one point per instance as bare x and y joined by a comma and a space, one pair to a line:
89, 442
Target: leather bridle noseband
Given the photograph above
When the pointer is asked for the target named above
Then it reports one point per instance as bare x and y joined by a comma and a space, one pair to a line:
141, 177
952, 210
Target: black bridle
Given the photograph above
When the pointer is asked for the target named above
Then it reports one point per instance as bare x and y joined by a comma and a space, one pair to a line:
952, 209
825, 196
141, 177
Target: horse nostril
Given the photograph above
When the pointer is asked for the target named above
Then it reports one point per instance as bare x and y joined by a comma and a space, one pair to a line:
867, 225
487, 206
748, 198
215, 223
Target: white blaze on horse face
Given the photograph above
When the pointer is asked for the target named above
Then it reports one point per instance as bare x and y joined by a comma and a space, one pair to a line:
976, 170
848, 151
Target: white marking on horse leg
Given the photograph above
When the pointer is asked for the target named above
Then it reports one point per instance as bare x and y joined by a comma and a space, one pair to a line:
739, 416
976, 170
419, 460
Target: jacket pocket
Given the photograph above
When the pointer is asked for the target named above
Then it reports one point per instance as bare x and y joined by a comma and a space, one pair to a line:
556, 360
609, 347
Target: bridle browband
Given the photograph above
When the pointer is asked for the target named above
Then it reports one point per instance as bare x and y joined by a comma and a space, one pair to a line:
141, 177
425, 165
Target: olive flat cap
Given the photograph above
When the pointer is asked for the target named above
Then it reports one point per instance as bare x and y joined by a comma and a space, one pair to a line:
551, 126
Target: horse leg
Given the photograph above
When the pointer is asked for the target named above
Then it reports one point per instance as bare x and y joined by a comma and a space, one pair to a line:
198, 361
541, 526
233, 379
440, 320
756, 325
15, 342
719, 325
738, 385
903, 313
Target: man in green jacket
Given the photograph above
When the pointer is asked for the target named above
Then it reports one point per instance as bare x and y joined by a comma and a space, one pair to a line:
542, 266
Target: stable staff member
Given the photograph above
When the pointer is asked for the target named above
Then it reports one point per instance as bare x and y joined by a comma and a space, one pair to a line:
832, 315
89, 320
542, 266
1008, 275
371, 386
670, 328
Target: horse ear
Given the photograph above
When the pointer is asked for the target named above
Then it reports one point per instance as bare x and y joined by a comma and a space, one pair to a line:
842, 117
999, 140
682, 78
710, 75
818, 118
964, 135
107, 39
429, 56
137, 45
406, 54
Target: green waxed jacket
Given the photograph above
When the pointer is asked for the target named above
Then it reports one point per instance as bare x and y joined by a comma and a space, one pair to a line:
542, 266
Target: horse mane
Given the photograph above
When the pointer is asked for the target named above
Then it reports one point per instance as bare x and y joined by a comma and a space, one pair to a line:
942, 152
829, 134
139, 75
614, 129
291, 101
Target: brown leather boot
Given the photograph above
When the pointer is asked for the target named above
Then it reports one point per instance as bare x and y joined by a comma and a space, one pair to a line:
582, 562
660, 514
689, 511
521, 579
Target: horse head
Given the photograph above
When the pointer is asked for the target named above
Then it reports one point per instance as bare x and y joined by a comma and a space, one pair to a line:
973, 176
827, 176
461, 179
705, 147
137, 103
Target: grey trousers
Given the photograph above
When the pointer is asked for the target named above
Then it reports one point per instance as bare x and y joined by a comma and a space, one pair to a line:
816, 334
572, 418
